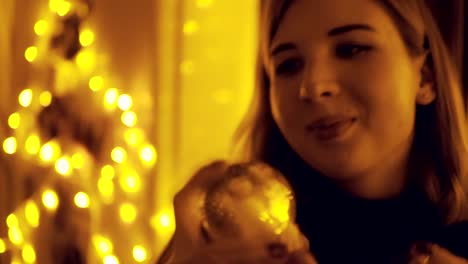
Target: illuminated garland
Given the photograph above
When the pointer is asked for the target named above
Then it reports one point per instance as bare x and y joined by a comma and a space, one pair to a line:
49, 131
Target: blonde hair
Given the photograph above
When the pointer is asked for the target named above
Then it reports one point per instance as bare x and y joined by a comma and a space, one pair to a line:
439, 152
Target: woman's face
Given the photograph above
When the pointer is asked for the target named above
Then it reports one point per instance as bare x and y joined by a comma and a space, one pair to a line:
343, 86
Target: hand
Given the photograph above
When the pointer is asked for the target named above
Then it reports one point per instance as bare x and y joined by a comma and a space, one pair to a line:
426, 253
301, 257
190, 243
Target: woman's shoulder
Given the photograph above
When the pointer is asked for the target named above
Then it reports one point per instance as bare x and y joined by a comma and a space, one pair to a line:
454, 237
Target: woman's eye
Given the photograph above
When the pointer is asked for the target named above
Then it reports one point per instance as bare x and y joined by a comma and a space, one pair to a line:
289, 67
348, 51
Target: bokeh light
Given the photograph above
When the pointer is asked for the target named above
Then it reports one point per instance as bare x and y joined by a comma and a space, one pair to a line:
102, 244
40, 28
32, 213
129, 118
25, 97
134, 136
50, 200
139, 253
125, 102
63, 166
32, 144
86, 37
29, 254
148, 154
14, 120
2, 246
15, 235
81, 200
111, 259
119, 155
50, 151
30, 54
10, 145
96, 83
128, 213
45, 98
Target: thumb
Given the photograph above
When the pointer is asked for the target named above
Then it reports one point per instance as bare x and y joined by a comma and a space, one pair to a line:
301, 257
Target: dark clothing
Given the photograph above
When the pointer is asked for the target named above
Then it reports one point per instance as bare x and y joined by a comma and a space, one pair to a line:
342, 228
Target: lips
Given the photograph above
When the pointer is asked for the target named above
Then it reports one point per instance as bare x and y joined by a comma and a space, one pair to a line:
328, 121
331, 127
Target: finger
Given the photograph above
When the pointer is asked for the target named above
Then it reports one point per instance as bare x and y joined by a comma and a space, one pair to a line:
209, 174
240, 253
441, 255
420, 253
420, 259
188, 202
301, 257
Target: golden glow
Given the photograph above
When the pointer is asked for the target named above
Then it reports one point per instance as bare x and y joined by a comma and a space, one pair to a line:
134, 136
139, 253
222, 96
125, 102
81, 200
106, 188
129, 118
102, 244
86, 37
187, 67
63, 8
111, 259
25, 97
29, 254
96, 83
204, 3
53, 5
77, 161
119, 155
130, 181
40, 28
32, 144
50, 151
15, 235
31, 53
86, 60
148, 155
50, 200
277, 212
110, 98
45, 98
164, 220
128, 213
63, 166
190, 27
32, 213
2, 246
12, 220
14, 120
107, 172
9, 145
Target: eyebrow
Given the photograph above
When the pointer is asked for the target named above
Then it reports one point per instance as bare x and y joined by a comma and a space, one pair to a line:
348, 28
334, 32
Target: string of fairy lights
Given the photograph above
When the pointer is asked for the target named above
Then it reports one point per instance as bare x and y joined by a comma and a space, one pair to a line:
116, 180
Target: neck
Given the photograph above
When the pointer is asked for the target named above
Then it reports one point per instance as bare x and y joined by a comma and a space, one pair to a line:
387, 180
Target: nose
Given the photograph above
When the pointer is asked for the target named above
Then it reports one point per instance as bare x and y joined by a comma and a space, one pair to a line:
317, 86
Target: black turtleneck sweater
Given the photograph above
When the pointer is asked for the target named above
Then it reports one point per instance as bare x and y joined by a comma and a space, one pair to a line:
343, 228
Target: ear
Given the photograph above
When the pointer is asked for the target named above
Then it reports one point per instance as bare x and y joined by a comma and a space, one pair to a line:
426, 92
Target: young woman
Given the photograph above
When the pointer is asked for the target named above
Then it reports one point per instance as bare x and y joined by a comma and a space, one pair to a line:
359, 104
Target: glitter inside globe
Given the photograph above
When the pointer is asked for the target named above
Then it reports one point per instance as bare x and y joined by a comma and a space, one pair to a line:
253, 203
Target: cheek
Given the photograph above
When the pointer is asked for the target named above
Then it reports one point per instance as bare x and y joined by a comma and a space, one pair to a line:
388, 96
282, 105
